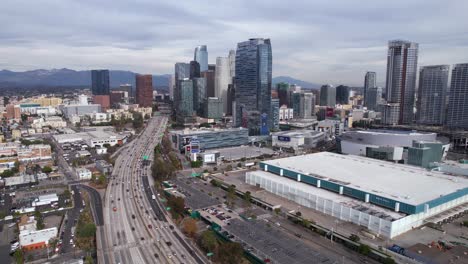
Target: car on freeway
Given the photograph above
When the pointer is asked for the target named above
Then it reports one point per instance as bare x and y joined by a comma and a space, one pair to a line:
150, 226
114, 209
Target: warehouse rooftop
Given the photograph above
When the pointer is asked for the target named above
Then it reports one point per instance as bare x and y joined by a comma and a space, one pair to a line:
408, 184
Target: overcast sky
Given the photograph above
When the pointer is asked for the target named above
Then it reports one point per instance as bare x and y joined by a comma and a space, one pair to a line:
328, 41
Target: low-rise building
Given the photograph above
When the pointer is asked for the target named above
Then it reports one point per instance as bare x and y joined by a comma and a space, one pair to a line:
297, 139
94, 137
8, 149
104, 167
331, 127
286, 113
27, 223
32, 240
210, 138
83, 174
15, 133
34, 152
19, 181
45, 199
52, 121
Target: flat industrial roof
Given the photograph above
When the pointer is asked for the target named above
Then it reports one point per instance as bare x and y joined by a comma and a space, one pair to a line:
298, 133
349, 202
205, 131
408, 184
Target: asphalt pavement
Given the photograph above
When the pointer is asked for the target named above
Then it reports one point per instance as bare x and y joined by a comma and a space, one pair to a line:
71, 219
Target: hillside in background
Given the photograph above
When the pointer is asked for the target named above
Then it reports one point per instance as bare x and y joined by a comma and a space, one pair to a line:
67, 77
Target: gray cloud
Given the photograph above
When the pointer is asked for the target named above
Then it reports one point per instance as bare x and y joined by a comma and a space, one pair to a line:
319, 41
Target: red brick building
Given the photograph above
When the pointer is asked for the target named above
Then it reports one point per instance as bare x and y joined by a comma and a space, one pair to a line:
144, 90
103, 100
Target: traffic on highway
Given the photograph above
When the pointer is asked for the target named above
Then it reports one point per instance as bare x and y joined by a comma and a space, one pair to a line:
137, 229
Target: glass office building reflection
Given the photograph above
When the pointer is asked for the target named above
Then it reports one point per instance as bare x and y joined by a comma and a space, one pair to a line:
253, 82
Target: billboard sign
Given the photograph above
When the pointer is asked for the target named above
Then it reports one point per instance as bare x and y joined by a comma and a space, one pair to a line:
209, 158
284, 138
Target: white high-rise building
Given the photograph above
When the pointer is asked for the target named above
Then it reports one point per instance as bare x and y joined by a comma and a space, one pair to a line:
83, 99
232, 63
402, 63
222, 80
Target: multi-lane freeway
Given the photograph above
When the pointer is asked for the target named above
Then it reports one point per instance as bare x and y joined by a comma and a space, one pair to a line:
136, 227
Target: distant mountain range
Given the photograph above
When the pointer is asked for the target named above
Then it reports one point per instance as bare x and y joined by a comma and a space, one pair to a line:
68, 77
290, 80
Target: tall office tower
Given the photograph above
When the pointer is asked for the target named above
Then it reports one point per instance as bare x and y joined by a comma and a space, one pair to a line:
275, 113
232, 63
184, 107
171, 87
374, 98
182, 71
327, 95
230, 99
402, 63
201, 56
433, 81
303, 105
210, 82
457, 114
144, 90
194, 70
199, 95
342, 94
283, 93
370, 81
213, 108
100, 82
222, 80
253, 84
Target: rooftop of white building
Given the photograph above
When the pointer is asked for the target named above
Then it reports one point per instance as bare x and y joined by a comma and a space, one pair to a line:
408, 184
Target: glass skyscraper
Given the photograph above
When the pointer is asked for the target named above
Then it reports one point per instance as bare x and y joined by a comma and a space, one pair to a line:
457, 113
199, 94
253, 83
373, 98
433, 81
181, 72
370, 81
327, 95
402, 63
185, 104
342, 94
201, 56
100, 82
194, 69
222, 80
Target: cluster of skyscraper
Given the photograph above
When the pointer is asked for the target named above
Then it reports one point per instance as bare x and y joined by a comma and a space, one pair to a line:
237, 85
198, 85
435, 104
100, 88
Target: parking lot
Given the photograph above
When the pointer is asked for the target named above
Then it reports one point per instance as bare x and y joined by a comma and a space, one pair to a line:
267, 241
219, 214
195, 198
237, 153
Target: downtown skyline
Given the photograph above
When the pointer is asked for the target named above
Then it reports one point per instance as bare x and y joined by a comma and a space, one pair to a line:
322, 43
